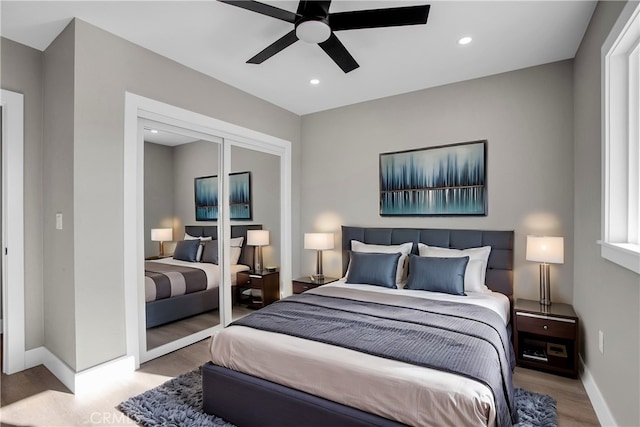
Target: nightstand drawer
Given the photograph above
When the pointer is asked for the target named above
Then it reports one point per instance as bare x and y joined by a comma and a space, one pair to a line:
299, 288
548, 326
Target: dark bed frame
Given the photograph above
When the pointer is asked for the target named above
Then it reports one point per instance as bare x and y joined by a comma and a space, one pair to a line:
169, 310
245, 400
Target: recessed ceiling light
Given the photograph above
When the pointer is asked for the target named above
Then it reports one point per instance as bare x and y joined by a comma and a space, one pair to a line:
154, 131
314, 82
465, 40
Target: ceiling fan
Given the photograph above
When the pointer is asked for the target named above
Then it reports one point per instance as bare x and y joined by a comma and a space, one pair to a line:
313, 23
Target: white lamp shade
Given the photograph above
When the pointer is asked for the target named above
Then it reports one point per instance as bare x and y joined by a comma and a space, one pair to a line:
161, 234
257, 237
318, 241
545, 249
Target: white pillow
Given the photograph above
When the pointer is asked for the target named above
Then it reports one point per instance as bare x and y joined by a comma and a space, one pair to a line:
235, 254
475, 274
404, 249
236, 242
200, 248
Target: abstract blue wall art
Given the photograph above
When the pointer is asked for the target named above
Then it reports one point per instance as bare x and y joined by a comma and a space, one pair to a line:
206, 197
435, 181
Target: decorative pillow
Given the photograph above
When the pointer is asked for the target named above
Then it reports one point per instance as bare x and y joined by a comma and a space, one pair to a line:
404, 250
437, 274
186, 250
235, 254
201, 247
210, 252
373, 269
474, 276
236, 242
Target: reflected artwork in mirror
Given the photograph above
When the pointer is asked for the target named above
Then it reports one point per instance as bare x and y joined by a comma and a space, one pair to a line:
206, 197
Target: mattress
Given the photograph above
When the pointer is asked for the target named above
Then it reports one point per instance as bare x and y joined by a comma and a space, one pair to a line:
178, 287
395, 390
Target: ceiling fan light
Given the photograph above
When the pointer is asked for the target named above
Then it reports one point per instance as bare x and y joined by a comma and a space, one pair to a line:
313, 31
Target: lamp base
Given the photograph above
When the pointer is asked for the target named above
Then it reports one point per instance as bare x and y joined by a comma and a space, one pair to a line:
317, 278
545, 288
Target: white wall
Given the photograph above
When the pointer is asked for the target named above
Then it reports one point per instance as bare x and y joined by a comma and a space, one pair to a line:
21, 71
606, 296
60, 246
192, 160
525, 115
158, 193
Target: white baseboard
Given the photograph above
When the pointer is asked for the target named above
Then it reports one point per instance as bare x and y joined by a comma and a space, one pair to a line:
81, 383
597, 399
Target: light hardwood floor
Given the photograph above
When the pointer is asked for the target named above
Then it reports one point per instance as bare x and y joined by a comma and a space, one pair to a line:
36, 398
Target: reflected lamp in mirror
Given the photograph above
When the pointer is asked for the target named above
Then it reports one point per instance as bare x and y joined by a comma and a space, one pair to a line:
545, 250
161, 235
319, 242
257, 238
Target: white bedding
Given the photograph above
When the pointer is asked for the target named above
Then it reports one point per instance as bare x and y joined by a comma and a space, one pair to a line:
396, 390
212, 271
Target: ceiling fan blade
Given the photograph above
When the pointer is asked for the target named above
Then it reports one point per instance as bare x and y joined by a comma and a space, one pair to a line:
283, 42
336, 50
263, 9
376, 18
314, 9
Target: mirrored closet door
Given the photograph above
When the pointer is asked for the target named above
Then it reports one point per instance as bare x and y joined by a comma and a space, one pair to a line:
182, 277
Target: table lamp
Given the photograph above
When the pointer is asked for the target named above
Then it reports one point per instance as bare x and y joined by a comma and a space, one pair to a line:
257, 238
319, 242
161, 235
546, 250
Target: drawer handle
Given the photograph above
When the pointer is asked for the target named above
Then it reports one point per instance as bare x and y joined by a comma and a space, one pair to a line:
545, 327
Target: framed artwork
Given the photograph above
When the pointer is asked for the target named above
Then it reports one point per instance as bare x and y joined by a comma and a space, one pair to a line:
206, 197
435, 181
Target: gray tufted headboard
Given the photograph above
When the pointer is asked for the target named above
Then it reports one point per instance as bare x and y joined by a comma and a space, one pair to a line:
246, 255
500, 266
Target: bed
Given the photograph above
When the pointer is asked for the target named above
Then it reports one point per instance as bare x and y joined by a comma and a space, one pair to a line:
282, 377
162, 308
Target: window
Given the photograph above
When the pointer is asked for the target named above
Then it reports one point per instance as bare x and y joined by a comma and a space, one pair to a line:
621, 141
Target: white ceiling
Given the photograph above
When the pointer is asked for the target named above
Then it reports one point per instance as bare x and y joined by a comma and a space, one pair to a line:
217, 39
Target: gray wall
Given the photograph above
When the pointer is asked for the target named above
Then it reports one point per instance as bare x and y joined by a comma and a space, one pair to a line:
525, 115
21, 71
100, 83
158, 193
606, 296
60, 263
265, 195
190, 161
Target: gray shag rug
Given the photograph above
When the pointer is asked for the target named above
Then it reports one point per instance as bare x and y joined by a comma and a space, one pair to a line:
178, 402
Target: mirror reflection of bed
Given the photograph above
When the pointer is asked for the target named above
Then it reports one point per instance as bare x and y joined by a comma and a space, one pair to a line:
195, 271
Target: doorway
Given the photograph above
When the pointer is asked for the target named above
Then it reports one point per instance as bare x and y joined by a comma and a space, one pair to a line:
13, 307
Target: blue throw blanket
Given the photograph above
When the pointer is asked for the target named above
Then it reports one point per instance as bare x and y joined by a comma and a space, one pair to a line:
459, 338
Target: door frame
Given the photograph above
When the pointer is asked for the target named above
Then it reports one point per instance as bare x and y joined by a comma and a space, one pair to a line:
13, 315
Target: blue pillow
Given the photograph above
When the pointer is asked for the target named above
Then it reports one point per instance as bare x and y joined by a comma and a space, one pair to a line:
210, 252
437, 274
371, 268
187, 250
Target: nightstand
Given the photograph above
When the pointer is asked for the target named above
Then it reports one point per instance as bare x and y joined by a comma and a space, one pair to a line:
546, 337
157, 257
268, 282
305, 283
